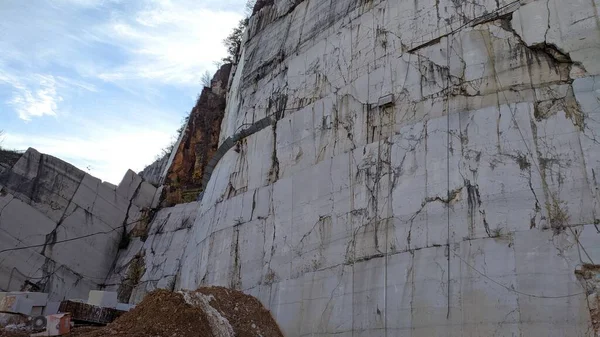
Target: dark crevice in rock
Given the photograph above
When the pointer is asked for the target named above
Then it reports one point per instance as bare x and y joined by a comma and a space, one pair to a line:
274, 172
125, 238
452, 197
553, 52
236, 275
260, 4
545, 49
135, 271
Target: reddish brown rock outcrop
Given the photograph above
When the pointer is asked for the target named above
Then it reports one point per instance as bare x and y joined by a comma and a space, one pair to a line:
200, 141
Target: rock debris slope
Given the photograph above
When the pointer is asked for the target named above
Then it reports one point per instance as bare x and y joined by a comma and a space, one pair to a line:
207, 312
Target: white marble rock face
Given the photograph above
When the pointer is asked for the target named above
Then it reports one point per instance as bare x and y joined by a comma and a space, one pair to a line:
461, 208
159, 254
60, 228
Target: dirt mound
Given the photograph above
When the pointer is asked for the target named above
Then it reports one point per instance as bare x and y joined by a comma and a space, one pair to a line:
161, 313
245, 313
207, 312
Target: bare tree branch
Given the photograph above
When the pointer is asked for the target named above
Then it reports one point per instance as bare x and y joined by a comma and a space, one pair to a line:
206, 79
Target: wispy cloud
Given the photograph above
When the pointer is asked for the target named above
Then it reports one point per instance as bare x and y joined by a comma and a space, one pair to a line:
85, 3
37, 95
103, 152
170, 42
114, 76
43, 101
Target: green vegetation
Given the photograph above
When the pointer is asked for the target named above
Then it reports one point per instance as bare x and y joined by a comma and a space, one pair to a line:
233, 42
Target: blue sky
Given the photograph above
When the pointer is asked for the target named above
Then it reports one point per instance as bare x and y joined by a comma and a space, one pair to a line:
104, 84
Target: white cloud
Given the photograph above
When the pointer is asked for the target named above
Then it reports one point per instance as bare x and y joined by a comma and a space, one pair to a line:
72, 83
85, 3
58, 56
104, 153
150, 41
173, 43
36, 102
37, 95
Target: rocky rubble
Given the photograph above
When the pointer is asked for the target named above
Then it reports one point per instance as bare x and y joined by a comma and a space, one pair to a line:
207, 312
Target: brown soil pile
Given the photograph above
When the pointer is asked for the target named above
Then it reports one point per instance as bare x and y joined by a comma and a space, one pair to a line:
166, 313
245, 313
161, 313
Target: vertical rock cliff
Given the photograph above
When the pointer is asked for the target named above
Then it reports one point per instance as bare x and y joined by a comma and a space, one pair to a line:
410, 168
199, 141
152, 259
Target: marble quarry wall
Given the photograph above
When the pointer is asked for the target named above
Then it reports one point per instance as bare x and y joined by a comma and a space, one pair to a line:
60, 228
153, 173
153, 260
383, 168
431, 169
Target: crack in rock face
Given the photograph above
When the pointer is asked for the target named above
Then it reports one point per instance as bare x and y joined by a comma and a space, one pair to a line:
541, 25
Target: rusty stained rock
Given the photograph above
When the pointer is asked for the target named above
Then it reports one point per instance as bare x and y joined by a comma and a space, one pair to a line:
199, 143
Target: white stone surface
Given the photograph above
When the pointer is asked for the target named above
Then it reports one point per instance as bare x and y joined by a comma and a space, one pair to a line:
16, 304
571, 26
37, 299
161, 252
153, 173
129, 185
51, 308
72, 221
125, 306
461, 209
105, 299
